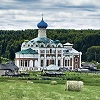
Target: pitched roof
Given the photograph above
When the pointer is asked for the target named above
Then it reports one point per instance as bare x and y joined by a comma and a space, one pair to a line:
88, 65
27, 51
44, 40
8, 66
68, 44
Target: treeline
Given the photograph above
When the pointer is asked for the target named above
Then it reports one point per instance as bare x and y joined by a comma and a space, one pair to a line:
83, 40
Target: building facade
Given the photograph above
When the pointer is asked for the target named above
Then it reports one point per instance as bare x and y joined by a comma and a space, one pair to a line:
41, 52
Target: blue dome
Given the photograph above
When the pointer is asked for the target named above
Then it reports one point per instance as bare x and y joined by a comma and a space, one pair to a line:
42, 24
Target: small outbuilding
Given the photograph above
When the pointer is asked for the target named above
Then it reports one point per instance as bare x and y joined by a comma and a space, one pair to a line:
8, 68
89, 66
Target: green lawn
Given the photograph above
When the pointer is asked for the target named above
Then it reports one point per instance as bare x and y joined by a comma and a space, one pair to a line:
21, 90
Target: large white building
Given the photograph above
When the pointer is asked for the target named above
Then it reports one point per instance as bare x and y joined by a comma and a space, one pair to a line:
41, 52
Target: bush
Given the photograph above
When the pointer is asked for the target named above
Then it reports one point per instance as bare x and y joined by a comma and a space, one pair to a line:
53, 82
74, 85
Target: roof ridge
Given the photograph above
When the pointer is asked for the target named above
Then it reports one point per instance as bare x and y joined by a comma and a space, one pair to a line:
27, 51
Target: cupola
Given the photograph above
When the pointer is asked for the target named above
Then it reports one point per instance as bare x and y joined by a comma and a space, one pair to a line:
42, 24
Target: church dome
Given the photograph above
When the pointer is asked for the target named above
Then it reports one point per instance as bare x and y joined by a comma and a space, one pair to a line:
42, 24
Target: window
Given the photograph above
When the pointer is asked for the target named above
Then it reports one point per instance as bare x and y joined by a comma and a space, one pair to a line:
28, 45
42, 45
42, 51
76, 59
41, 63
65, 62
53, 62
36, 45
33, 64
67, 51
76, 66
47, 51
59, 46
21, 63
53, 51
31, 45
28, 63
58, 62
47, 62
48, 46
53, 46
68, 62
25, 63
50, 50
59, 51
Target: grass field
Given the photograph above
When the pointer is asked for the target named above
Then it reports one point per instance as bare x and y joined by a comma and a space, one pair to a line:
21, 90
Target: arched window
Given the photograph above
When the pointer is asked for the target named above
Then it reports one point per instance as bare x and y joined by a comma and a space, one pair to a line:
25, 63
68, 62
50, 50
65, 62
59, 64
76, 59
28, 45
52, 62
23, 45
47, 62
48, 46
53, 45
21, 62
59, 46
36, 45
42, 45
76, 66
31, 45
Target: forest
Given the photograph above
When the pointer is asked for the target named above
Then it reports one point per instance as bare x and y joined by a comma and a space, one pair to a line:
86, 41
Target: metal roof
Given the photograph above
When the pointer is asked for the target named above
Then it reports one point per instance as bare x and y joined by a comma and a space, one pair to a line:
27, 51
68, 44
42, 24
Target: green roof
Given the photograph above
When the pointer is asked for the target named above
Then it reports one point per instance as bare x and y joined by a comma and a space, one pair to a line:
27, 51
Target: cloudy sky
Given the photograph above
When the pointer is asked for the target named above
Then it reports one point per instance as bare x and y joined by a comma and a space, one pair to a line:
63, 14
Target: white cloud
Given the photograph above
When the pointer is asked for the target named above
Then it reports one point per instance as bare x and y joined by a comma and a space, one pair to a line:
24, 14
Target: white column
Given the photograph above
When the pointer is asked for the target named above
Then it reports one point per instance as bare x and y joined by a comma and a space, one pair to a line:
56, 57
56, 61
64, 62
62, 58
72, 61
69, 62
39, 65
45, 58
17, 63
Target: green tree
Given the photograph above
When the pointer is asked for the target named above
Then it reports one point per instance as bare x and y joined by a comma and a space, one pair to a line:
93, 53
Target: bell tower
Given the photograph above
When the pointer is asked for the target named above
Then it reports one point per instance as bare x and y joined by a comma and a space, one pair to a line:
42, 28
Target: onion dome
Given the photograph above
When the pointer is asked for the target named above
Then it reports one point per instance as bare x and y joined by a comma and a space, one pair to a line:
42, 24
